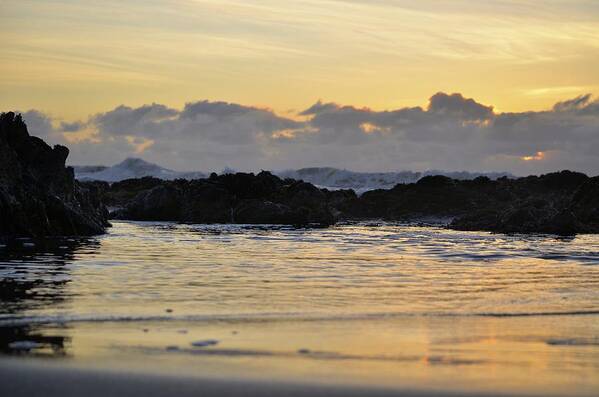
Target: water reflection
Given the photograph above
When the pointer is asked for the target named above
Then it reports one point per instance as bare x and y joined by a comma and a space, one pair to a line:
382, 303
19, 295
26, 340
33, 275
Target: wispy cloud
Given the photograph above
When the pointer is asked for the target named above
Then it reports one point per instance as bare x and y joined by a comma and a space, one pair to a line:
84, 56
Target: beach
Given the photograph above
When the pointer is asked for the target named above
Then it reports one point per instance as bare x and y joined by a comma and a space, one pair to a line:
28, 378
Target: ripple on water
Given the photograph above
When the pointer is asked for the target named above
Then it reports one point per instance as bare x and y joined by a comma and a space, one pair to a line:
347, 269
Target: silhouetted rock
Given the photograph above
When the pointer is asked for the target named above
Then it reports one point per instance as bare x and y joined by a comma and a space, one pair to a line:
160, 203
585, 205
229, 198
562, 203
209, 202
38, 194
266, 212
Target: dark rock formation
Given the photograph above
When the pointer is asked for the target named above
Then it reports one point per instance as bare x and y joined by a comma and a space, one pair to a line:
38, 194
229, 198
585, 205
560, 203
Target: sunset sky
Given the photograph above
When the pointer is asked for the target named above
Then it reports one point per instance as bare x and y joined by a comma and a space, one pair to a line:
249, 84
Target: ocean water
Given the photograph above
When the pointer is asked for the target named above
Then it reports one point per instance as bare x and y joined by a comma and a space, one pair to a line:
383, 304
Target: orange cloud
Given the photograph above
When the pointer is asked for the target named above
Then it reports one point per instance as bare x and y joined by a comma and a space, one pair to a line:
284, 134
369, 128
536, 157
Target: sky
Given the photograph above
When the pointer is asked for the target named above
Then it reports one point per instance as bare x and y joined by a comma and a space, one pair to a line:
498, 85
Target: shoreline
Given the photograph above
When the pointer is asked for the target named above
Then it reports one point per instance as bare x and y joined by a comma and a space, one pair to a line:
135, 308
40, 378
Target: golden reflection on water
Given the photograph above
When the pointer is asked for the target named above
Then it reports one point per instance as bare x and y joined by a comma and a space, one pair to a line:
141, 270
390, 305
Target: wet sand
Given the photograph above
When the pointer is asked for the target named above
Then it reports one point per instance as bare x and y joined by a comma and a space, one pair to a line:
32, 378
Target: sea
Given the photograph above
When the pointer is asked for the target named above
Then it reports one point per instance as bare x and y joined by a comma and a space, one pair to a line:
394, 305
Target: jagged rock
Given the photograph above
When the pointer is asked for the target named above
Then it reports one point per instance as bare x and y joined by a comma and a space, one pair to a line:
266, 212
230, 198
431, 196
562, 203
585, 205
160, 203
38, 194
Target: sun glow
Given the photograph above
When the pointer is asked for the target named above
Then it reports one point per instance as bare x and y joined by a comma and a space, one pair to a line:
536, 157
76, 58
369, 128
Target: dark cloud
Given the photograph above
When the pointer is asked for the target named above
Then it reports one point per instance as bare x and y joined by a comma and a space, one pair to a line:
40, 124
458, 106
71, 127
319, 107
572, 104
452, 133
216, 109
125, 120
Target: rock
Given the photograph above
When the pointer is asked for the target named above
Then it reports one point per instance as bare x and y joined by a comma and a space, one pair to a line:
585, 205
436, 181
431, 196
38, 194
230, 198
207, 202
160, 203
124, 191
266, 212
564, 222
563, 180
525, 218
561, 203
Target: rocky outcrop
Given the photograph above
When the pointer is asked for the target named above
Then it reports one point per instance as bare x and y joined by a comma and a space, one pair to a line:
560, 203
585, 205
230, 198
38, 194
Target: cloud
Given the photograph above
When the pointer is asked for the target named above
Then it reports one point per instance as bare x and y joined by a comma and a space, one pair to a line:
457, 106
453, 133
319, 107
572, 104
71, 127
124, 120
42, 125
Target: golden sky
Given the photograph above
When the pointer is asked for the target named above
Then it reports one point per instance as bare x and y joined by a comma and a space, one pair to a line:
72, 58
